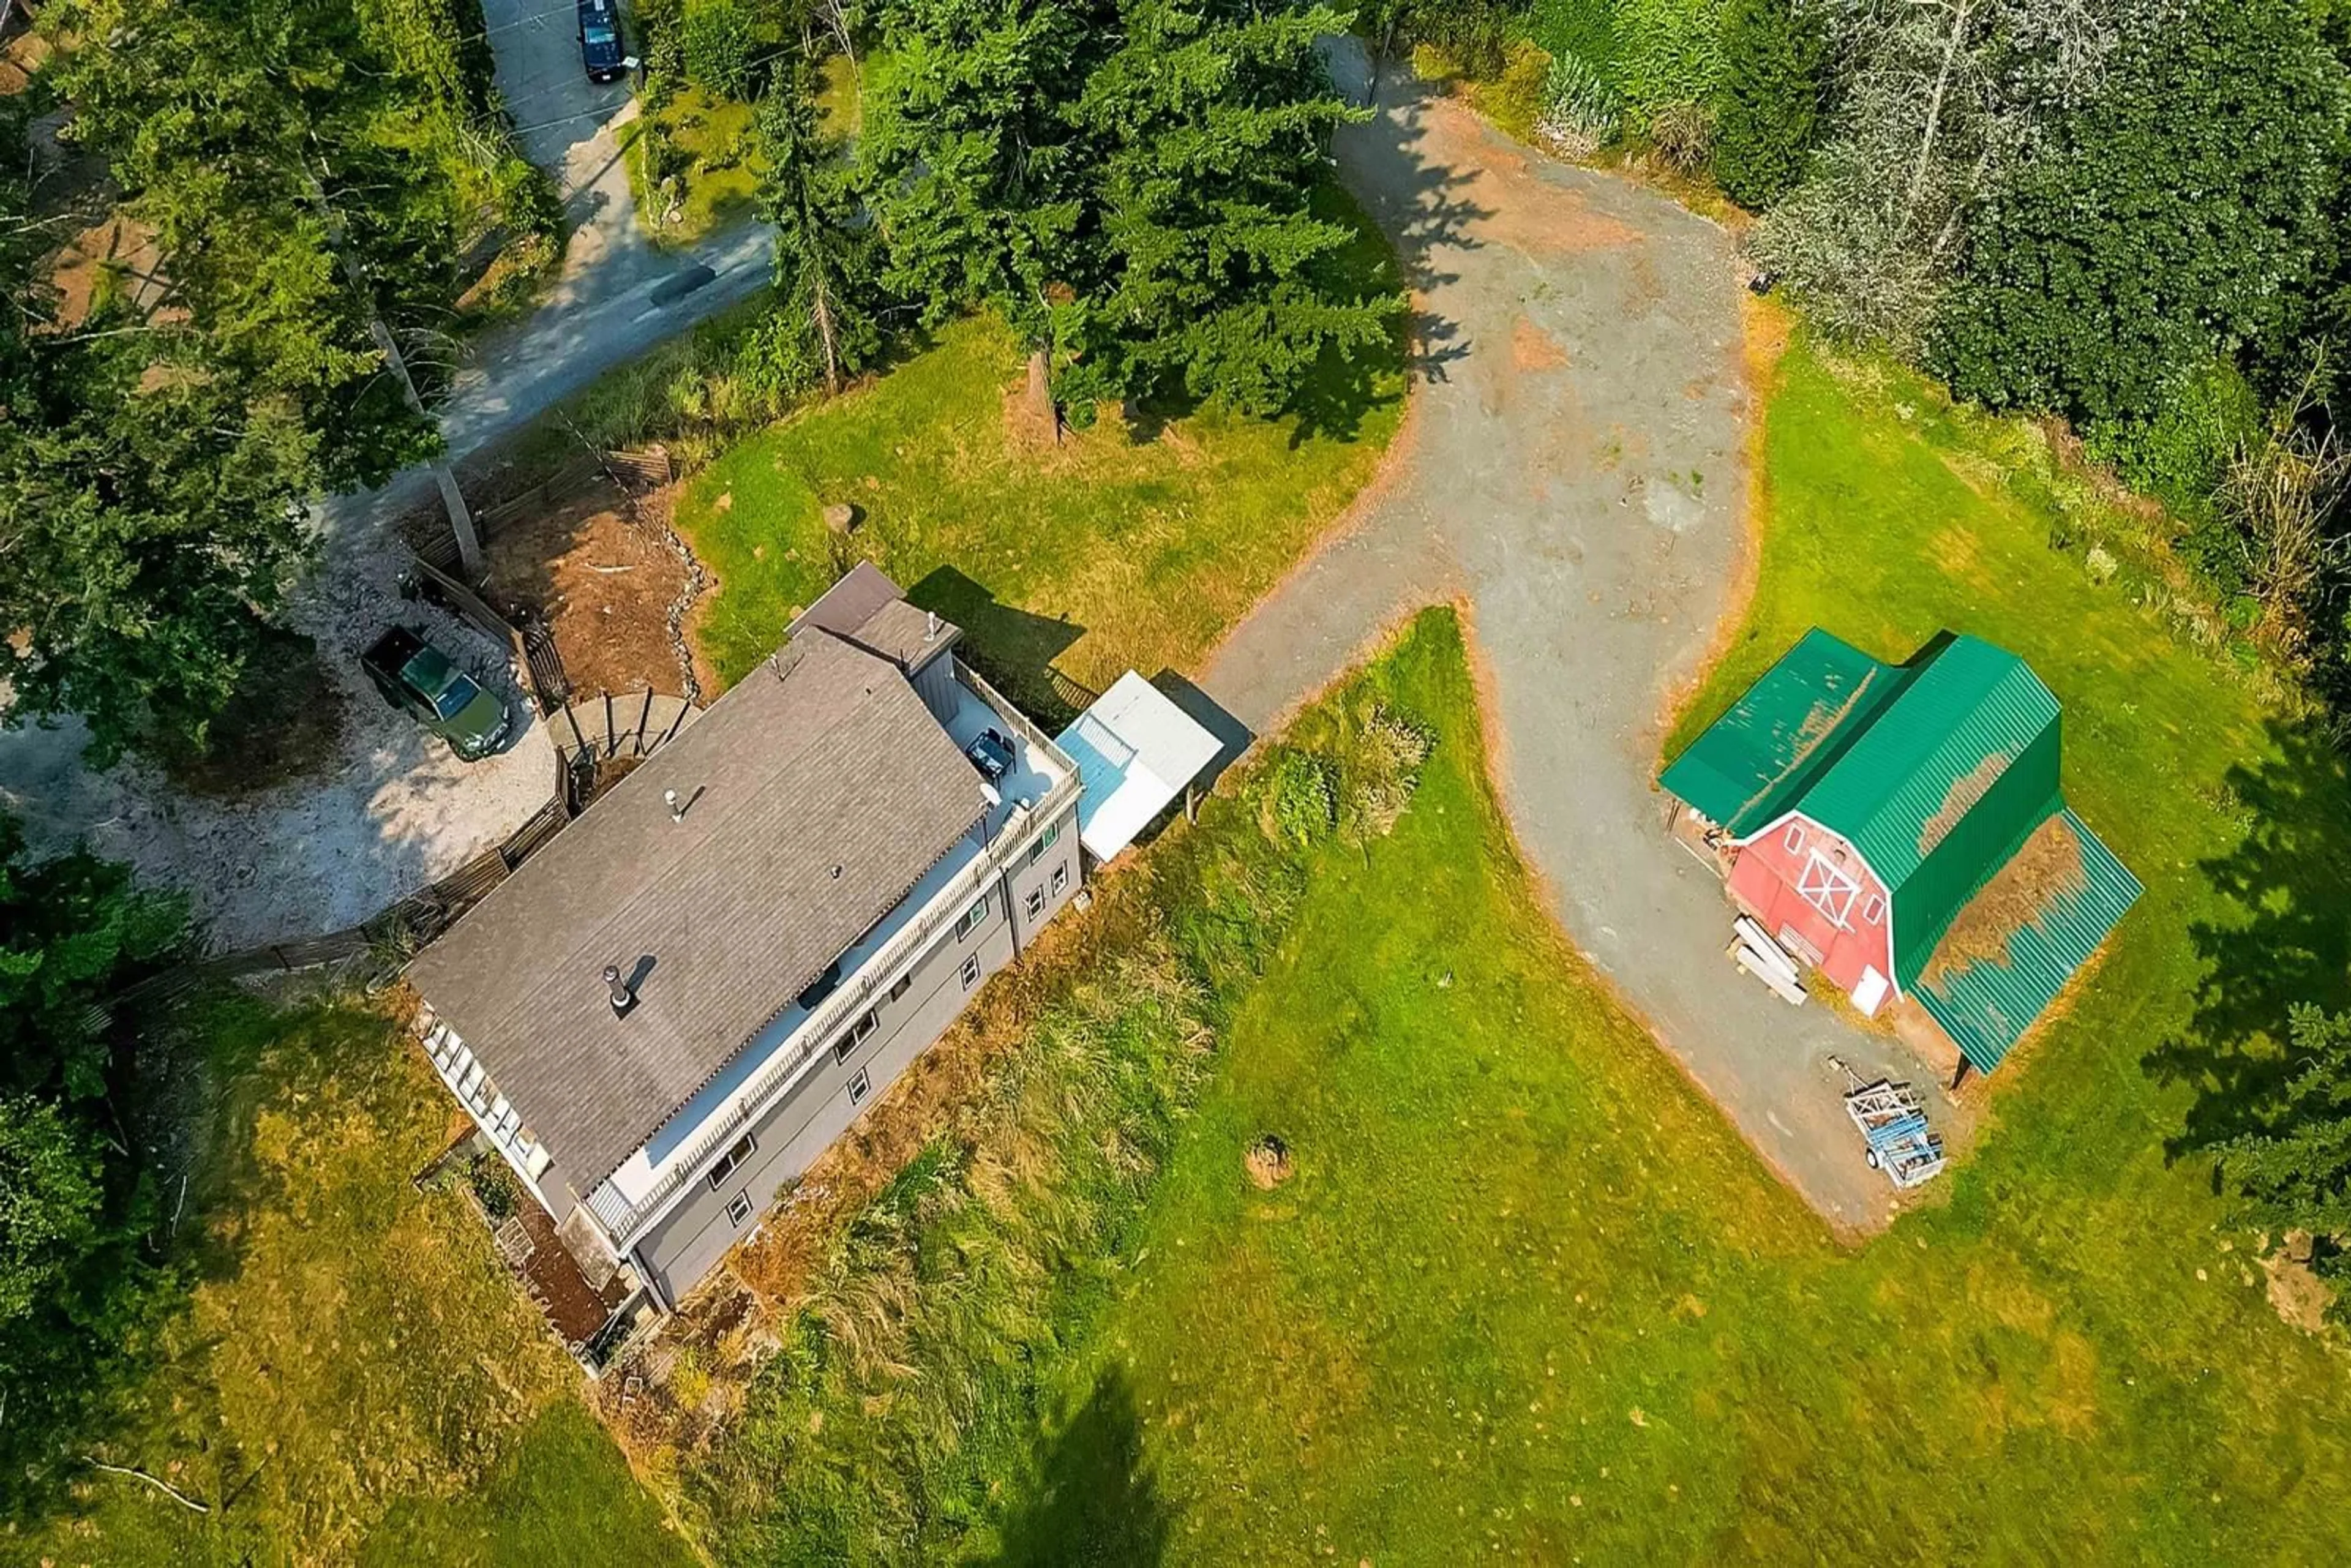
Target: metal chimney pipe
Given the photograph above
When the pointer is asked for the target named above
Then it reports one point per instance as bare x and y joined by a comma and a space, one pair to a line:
622, 998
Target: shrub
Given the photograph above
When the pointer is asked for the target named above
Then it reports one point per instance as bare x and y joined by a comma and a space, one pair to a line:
660, 40
1582, 112
1517, 97
719, 47
1300, 806
1769, 105
495, 1187
1667, 52
1683, 134
1382, 768
1473, 35
2180, 454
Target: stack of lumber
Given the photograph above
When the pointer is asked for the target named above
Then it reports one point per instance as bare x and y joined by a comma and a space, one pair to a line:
1753, 949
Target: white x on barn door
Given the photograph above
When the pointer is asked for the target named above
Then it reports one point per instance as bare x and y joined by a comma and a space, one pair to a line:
1827, 888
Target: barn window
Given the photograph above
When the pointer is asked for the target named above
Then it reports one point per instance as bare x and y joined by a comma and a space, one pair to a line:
1793, 837
1873, 910
1827, 887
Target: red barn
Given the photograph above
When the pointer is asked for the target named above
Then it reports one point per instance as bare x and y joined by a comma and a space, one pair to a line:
1900, 829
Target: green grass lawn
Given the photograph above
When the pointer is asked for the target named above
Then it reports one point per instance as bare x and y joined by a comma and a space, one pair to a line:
722, 166
1120, 549
354, 1376
1526, 1297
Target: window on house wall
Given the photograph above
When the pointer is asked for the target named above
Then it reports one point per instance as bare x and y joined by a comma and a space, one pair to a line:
900, 987
731, 1159
1060, 877
1793, 837
738, 1209
860, 1086
854, 1035
1035, 902
1827, 887
971, 972
971, 918
1045, 840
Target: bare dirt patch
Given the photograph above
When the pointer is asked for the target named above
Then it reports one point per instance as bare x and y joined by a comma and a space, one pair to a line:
118, 254
1544, 221
602, 572
2296, 1293
1267, 1162
1532, 349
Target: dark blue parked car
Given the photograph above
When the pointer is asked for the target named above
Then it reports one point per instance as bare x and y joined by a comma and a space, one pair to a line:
600, 40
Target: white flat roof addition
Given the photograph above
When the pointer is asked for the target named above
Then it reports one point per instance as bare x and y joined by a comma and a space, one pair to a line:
1136, 750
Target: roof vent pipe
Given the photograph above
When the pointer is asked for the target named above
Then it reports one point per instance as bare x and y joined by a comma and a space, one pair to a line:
622, 998
676, 806
930, 625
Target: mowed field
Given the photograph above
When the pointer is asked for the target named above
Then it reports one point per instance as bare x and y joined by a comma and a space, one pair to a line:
1134, 543
1527, 1298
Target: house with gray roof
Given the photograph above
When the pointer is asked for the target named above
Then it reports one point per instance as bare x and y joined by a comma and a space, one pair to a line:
668, 1013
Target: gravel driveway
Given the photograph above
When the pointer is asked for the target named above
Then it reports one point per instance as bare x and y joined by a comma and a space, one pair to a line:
1572, 470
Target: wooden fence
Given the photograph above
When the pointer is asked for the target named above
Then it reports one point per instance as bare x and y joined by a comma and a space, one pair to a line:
629, 470
532, 645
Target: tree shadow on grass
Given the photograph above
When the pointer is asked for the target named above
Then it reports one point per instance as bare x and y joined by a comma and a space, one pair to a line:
1094, 1499
2288, 882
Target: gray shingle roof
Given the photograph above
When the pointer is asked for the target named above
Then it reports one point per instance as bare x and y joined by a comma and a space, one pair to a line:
866, 608
821, 791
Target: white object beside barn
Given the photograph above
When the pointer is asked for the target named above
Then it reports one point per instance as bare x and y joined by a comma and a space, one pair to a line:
1136, 752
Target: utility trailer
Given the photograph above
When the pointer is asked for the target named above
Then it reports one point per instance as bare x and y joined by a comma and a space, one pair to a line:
1893, 1120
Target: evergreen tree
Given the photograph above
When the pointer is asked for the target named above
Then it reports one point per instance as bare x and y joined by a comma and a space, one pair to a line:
1214, 114
824, 264
1769, 112
77, 1286
2172, 216
2295, 1175
977, 173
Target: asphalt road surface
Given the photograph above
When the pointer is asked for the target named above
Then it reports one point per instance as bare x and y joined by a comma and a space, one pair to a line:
618, 294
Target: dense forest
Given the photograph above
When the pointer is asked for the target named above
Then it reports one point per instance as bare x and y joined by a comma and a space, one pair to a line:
309, 173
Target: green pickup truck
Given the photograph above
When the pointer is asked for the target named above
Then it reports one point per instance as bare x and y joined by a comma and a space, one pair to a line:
419, 680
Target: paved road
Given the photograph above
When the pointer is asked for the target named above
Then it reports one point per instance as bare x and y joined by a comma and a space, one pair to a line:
1572, 470
602, 310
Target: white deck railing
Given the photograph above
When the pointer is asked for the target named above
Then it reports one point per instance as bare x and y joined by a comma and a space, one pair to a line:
625, 1219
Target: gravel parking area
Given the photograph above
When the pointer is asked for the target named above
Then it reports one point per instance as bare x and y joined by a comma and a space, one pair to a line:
392, 811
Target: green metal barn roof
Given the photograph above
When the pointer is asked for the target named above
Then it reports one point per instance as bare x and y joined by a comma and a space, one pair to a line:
1754, 761
1939, 771
1986, 1005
